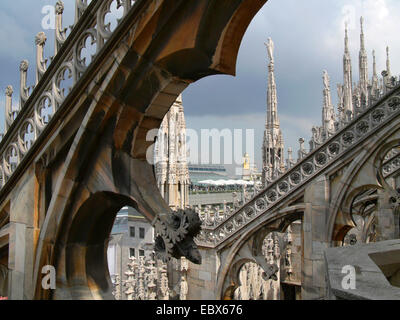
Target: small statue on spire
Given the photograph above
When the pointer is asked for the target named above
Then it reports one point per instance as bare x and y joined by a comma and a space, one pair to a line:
346, 38
388, 62
270, 47
325, 78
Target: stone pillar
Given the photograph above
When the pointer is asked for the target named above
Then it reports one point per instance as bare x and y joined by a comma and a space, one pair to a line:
22, 237
316, 199
16, 264
202, 279
387, 227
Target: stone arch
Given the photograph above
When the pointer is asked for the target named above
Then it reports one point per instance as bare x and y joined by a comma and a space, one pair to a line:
234, 276
361, 174
348, 207
86, 248
132, 87
387, 147
249, 245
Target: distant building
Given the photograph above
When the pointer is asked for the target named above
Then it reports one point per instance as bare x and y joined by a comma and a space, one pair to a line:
201, 172
249, 169
132, 236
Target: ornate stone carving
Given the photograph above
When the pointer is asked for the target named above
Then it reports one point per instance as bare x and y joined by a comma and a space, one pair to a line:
9, 91
50, 95
40, 39
59, 8
117, 287
24, 65
174, 235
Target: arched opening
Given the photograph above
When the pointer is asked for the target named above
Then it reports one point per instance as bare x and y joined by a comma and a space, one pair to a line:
86, 268
135, 271
283, 249
363, 212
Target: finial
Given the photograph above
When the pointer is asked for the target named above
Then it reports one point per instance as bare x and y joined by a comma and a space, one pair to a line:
24, 65
23, 90
362, 24
290, 155
346, 38
40, 39
374, 62
388, 61
9, 91
362, 34
60, 32
59, 7
41, 67
325, 78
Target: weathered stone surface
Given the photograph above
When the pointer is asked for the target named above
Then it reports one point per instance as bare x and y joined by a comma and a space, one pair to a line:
371, 262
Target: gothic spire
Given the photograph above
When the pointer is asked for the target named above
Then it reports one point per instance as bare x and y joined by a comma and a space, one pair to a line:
272, 100
362, 34
347, 77
346, 40
389, 74
363, 61
273, 157
375, 79
328, 113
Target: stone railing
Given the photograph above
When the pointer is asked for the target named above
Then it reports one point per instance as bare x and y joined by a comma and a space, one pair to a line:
93, 27
347, 138
391, 165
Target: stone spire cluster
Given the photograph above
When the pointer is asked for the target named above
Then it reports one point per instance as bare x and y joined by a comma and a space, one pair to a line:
360, 95
146, 279
273, 145
353, 98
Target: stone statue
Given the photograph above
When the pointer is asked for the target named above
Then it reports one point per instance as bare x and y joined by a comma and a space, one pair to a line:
184, 289
130, 283
117, 287
326, 80
270, 49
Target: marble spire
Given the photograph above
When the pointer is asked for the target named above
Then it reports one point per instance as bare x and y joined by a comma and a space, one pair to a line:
273, 157
347, 77
272, 100
328, 112
389, 73
375, 79
363, 61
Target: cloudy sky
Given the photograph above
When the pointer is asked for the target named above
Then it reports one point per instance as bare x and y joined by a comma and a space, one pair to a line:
308, 37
